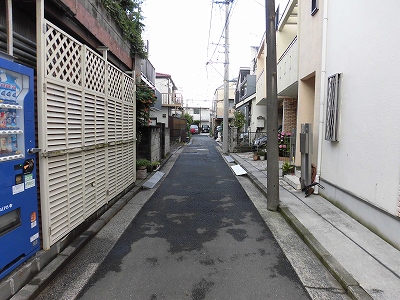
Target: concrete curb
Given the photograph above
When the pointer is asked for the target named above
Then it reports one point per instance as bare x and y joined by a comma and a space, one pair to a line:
334, 267
352, 287
29, 279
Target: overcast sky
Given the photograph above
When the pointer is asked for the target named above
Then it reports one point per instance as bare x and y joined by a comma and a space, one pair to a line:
183, 36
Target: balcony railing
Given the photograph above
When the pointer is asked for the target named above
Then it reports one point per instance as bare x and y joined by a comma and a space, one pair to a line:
172, 99
260, 89
148, 71
287, 67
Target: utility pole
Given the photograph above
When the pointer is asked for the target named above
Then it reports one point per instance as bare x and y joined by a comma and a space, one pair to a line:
225, 127
272, 109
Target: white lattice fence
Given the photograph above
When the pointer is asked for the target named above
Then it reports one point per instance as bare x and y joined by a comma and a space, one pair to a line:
86, 133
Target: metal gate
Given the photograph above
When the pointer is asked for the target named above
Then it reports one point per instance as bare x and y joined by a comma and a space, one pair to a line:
87, 133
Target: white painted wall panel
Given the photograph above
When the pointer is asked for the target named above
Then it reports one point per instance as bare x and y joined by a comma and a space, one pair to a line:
362, 45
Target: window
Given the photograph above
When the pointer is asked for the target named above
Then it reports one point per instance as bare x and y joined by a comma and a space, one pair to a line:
314, 7
332, 108
196, 111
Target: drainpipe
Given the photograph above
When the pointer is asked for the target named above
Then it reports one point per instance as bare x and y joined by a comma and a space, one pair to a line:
9, 18
322, 92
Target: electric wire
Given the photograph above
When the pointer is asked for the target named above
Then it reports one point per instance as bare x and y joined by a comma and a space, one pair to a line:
221, 35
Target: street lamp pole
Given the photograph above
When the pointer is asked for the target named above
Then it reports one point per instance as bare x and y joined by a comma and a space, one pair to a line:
272, 109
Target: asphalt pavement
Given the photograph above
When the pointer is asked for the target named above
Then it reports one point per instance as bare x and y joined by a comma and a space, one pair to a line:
199, 236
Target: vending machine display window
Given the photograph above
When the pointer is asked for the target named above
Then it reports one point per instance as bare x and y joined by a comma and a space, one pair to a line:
13, 88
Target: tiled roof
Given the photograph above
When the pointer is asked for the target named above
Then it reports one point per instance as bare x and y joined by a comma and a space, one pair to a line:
162, 75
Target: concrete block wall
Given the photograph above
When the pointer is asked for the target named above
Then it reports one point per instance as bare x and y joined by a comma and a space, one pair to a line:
155, 142
167, 142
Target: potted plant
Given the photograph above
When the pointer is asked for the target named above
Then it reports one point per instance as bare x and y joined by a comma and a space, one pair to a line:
155, 165
261, 153
287, 168
142, 163
255, 155
141, 168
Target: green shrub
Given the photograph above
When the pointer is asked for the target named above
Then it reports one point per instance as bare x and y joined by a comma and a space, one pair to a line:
142, 162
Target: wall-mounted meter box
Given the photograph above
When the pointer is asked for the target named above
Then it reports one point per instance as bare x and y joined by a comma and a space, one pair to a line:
19, 225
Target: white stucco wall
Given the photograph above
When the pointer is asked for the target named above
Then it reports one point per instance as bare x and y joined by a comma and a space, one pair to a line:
160, 115
162, 84
363, 46
257, 111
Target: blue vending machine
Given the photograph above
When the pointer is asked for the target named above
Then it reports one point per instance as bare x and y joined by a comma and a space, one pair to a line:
19, 228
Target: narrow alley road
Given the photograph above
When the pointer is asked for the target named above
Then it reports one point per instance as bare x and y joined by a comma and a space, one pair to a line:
198, 237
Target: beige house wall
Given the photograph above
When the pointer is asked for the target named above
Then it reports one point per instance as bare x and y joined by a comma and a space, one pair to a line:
219, 98
284, 38
310, 49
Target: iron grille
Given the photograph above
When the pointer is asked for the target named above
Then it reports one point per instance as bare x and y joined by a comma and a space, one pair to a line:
332, 108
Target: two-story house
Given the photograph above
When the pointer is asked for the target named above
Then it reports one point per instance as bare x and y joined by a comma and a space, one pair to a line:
201, 113
348, 70
335, 69
218, 104
171, 110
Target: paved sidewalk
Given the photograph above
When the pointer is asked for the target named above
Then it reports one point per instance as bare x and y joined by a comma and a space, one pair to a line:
364, 264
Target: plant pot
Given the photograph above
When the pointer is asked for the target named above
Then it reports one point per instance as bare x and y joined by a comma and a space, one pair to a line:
141, 173
262, 157
255, 157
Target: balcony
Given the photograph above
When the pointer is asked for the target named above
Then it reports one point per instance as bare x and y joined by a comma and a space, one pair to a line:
261, 89
172, 99
148, 72
287, 71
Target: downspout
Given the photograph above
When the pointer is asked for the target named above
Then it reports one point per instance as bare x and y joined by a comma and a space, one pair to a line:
322, 92
9, 20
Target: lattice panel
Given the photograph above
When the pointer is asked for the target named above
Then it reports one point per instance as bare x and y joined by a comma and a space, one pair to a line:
111, 120
131, 165
58, 197
125, 120
74, 113
112, 171
75, 188
114, 82
129, 89
100, 113
94, 72
120, 159
132, 122
101, 179
63, 56
119, 129
90, 182
56, 132
89, 120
